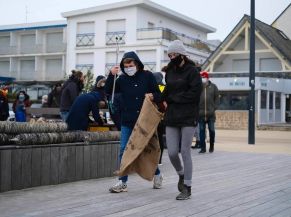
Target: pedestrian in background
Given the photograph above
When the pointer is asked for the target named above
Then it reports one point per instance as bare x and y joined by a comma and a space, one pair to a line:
70, 91
19, 106
209, 102
54, 97
4, 107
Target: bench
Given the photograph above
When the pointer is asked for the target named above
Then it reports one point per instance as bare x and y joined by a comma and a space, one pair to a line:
53, 113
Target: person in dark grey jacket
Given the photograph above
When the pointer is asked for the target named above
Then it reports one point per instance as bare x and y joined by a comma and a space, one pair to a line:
70, 91
181, 95
209, 102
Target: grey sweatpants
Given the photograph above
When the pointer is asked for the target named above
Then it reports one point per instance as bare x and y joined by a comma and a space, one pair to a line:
175, 135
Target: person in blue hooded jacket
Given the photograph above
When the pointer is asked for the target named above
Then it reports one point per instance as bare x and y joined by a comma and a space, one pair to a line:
132, 85
78, 118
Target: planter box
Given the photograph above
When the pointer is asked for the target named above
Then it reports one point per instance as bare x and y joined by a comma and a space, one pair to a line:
29, 166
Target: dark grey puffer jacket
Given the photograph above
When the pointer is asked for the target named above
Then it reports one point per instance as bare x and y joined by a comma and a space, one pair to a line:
182, 93
209, 101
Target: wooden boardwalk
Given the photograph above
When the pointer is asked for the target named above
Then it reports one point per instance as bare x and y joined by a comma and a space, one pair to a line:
224, 184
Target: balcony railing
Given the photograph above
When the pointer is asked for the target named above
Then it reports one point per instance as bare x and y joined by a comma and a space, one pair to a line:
30, 49
56, 48
170, 35
8, 50
151, 66
84, 67
113, 38
108, 66
84, 40
4, 50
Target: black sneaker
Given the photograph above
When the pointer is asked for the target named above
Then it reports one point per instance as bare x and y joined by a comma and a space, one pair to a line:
181, 183
202, 151
185, 194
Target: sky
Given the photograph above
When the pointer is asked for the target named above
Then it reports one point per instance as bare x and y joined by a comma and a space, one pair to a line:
220, 14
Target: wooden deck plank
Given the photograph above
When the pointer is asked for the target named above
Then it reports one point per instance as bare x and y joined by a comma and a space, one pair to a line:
36, 167
5, 179
54, 167
45, 166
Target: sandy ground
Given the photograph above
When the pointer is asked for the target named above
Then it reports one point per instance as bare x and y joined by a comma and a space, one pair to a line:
265, 141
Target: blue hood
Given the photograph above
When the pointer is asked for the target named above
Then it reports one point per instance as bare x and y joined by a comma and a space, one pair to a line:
131, 55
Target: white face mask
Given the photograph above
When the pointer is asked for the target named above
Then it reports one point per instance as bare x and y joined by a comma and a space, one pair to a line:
204, 80
130, 70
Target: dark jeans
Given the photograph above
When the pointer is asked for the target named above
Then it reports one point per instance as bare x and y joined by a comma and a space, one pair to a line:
202, 128
161, 133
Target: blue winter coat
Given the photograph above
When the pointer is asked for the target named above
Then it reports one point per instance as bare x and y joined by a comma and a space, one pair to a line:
133, 90
78, 118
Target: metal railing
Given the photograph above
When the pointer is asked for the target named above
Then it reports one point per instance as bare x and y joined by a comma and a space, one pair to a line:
85, 39
151, 66
4, 50
56, 48
170, 35
84, 67
112, 37
32, 49
108, 66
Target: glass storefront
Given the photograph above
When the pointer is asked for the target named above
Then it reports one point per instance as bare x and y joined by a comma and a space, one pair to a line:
234, 100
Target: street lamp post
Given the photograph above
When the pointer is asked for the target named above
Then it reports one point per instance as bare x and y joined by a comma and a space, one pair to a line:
251, 130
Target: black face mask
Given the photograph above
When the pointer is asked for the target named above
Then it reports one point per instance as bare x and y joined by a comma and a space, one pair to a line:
177, 60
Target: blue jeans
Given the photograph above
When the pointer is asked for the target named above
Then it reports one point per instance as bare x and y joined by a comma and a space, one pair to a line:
125, 134
64, 115
202, 128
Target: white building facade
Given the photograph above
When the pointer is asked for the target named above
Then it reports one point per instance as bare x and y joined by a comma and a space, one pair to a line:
35, 51
140, 25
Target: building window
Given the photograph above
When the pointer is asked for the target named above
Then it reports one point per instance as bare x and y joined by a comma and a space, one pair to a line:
148, 57
85, 34
27, 70
270, 64
263, 99
240, 65
85, 62
115, 32
28, 44
271, 100
54, 42
4, 68
233, 100
111, 60
4, 44
54, 69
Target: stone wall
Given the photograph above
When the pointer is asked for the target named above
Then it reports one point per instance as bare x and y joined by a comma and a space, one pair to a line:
231, 119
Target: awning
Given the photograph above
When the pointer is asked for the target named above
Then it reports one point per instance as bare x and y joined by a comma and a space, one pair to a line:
4, 80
